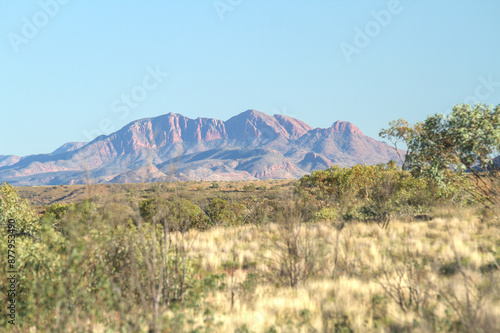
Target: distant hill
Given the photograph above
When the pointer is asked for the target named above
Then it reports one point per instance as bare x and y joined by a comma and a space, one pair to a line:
251, 145
6, 160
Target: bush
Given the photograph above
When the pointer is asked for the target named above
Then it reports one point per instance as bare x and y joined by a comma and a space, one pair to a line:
57, 210
367, 193
297, 251
13, 207
249, 188
181, 213
223, 212
325, 214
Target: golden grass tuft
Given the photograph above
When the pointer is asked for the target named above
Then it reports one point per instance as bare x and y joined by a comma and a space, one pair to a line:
353, 296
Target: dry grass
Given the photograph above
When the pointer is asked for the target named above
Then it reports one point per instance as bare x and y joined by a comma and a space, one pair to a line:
353, 296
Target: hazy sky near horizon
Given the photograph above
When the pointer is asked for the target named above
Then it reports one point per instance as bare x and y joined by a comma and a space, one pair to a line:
71, 70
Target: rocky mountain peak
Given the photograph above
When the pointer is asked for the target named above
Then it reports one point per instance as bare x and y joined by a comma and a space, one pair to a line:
345, 127
250, 145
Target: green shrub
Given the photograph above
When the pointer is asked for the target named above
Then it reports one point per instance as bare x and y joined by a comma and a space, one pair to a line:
13, 207
367, 193
179, 213
325, 214
57, 210
249, 187
223, 212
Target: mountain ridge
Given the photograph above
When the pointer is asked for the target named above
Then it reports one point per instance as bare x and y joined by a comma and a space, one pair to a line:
250, 145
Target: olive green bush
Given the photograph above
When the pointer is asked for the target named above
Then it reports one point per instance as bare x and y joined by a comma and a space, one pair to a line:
13, 207
187, 214
367, 193
226, 213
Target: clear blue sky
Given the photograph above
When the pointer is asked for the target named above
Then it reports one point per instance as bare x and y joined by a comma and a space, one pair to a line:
65, 79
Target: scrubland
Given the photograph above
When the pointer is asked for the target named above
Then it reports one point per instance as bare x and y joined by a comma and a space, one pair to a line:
332, 252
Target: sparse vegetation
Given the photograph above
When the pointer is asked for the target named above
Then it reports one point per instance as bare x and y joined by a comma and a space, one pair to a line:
141, 264
367, 248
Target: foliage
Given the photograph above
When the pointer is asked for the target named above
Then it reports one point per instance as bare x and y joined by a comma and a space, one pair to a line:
249, 187
84, 262
325, 214
186, 214
223, 212
13, 207
363, 192
57, 210
399, 132
457, 150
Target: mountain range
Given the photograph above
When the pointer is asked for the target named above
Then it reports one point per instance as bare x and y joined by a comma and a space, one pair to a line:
250, 145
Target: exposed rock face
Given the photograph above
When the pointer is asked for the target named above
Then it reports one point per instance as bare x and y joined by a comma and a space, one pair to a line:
251, 145
313, 161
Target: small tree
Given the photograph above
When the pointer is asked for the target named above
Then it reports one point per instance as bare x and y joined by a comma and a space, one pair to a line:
400, 132
458, 150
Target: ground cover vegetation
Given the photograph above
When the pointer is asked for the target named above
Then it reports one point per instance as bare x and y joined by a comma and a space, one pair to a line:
400, 247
